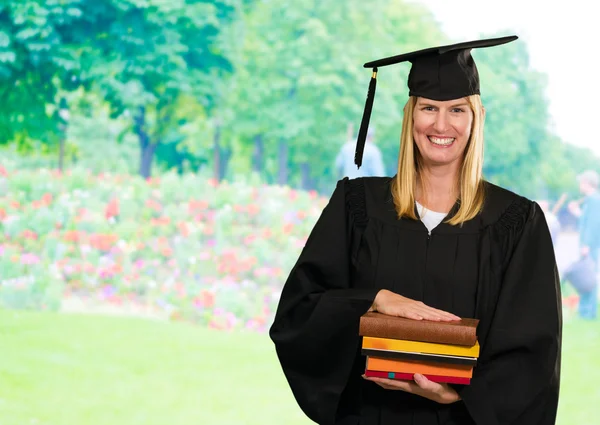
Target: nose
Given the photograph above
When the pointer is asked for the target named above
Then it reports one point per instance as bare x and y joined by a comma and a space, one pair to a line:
441, 122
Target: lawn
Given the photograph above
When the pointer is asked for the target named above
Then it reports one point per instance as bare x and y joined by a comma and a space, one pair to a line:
66, 369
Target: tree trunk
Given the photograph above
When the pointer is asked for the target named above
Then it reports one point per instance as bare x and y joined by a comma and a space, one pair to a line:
306, 181
221, 155
225, 157
258, 156
282, 177
147, 148
217, 154
61, 153
63, 116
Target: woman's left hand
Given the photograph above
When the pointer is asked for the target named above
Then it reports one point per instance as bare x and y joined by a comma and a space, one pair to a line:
439, 392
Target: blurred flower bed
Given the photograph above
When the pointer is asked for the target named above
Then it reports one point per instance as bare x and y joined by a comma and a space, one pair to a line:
181, 245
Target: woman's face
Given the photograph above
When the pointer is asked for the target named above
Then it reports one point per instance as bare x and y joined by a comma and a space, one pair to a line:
441, 130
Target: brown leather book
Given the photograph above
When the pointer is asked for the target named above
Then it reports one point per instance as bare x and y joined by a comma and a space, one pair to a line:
457, 332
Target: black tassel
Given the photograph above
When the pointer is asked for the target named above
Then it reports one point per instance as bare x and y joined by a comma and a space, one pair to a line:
364, 124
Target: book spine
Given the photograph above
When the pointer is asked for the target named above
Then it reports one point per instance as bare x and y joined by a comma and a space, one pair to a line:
418, 331
410, 377
419, 347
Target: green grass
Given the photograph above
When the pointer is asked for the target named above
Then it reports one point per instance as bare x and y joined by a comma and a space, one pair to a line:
79, 369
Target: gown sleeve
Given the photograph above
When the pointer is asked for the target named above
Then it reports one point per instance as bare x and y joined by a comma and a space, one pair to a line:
517, 379
315, 329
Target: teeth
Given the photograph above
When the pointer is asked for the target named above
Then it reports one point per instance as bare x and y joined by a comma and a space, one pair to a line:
441, 142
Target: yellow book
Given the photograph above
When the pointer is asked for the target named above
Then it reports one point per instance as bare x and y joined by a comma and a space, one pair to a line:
420, 347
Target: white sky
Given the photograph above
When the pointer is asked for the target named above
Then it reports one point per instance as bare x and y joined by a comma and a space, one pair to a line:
563, 42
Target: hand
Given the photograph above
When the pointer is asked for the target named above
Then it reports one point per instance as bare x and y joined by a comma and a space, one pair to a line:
574, 208
585, 250
440, 393
392, 304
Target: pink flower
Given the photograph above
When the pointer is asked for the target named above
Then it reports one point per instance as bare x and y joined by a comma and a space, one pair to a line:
29, 259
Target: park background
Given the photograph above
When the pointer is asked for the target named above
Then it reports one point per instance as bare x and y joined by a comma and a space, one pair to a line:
162, 163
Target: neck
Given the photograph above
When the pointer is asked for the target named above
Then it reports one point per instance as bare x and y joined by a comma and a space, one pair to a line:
437, 188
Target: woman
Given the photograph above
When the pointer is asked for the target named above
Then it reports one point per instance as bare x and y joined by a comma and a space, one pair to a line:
435, 242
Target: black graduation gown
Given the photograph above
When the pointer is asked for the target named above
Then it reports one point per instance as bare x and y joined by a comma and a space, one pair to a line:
498, 267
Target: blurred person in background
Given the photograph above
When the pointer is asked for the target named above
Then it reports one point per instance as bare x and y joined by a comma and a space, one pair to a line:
372, 159
588, 212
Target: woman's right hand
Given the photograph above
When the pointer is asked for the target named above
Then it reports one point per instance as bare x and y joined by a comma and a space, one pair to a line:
392, 304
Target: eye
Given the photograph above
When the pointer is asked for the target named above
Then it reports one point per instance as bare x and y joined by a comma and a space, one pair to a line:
458, 110
428, 108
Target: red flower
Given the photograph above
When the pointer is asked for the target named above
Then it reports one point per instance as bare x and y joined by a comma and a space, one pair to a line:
287, 228
253, 209
103, 242
206, 298
197, 206
29, 234
183, 229
76, 236
154, 205
47, 198
112, 208
161, 221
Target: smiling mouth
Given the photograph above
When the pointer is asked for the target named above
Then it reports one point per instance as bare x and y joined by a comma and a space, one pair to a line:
441, 141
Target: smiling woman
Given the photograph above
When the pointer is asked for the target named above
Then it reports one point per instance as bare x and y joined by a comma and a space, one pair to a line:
487, 255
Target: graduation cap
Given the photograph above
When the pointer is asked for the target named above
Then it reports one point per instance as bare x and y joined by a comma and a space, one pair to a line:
437, 73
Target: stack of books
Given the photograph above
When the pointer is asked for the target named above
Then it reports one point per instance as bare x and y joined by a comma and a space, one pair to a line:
397, 348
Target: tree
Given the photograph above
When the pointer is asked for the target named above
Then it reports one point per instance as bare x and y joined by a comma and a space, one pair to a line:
141, 55
299, 80
153, 53
521, 153
36, 65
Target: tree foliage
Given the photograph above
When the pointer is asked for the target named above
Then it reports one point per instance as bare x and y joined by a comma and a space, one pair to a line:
263, 86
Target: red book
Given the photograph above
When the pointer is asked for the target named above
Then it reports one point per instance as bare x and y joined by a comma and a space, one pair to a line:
410, 377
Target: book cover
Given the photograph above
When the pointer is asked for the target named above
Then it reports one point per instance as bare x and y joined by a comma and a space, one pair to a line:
423, 357
387, 365
458, 332
420, 347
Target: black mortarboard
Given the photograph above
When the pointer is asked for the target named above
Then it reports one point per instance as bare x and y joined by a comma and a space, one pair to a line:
437, 73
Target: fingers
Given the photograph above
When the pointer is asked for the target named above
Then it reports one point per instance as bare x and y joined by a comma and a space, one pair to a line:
442, 393
394, 384
394, 304
419, 311
421, 386
426, 384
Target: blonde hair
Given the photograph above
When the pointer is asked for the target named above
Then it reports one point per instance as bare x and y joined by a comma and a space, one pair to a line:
470, 180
